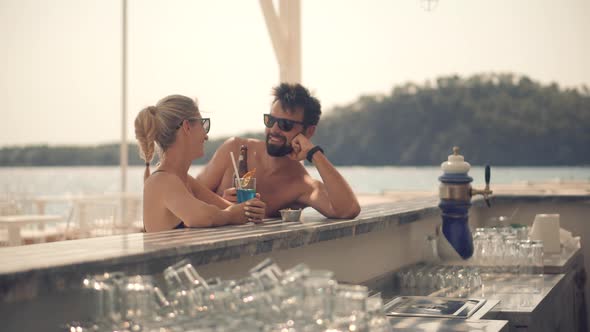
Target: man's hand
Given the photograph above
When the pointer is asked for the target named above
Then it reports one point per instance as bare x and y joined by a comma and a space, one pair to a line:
230, 194
301, 146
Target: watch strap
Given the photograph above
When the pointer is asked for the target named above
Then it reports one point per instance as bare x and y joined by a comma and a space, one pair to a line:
312, 151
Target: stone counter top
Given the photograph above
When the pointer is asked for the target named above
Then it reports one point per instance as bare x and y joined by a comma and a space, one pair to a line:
60, 263
252, 239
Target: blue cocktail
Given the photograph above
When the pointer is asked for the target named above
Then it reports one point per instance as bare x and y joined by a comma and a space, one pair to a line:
246, 194
246, 189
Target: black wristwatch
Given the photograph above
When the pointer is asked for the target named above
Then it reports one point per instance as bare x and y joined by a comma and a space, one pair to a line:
313, 150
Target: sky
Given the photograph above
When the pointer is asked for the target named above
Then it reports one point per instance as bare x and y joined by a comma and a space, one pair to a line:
60, 60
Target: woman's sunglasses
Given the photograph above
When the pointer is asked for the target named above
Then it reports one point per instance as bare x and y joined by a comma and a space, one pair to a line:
284, 124
205, 122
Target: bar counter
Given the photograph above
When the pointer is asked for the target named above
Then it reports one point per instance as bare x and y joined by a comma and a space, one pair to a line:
43, 280
55, 265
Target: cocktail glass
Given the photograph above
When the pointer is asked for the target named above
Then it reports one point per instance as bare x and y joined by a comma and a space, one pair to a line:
246, 189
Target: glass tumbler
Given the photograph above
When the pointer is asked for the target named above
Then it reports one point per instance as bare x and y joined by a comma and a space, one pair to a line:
537, 254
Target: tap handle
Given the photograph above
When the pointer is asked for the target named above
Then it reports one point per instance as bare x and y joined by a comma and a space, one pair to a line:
487, 189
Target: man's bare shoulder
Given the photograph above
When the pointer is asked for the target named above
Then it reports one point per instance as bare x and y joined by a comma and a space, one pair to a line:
253, 141
235, 142
231, 143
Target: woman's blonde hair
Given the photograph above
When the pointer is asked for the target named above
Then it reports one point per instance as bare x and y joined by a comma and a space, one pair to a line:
158, 124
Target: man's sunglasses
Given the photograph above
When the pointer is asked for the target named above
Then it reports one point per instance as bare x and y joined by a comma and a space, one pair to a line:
205, 122
284, 124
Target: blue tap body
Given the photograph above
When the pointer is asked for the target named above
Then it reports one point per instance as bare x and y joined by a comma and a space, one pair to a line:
455, 200
455, 227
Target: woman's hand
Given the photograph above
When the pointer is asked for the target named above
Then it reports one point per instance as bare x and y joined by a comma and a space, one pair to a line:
237, 214
251, 211
231, 195
255, 210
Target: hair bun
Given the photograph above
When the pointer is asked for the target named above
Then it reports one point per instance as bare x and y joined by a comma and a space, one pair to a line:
152, 110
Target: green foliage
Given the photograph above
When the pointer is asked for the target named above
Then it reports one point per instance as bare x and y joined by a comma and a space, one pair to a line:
101, 155
501, 119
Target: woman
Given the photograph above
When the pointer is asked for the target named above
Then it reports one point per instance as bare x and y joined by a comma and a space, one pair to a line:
172, 198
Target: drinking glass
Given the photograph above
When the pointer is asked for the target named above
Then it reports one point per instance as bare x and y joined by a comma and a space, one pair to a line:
488, 250
511, 253
522, 232
537, 264
246, 189
479, 246
184, 285
525, 266
319, 289
430, 250
131, 303
268, 273
349, 313
474, 278
441, 278
377, 321
183, 275
142, 300
350, 299
496, 246
110, 288
106, 290
219, 299
253, 300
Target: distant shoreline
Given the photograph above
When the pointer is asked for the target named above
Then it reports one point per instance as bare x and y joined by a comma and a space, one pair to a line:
33, 181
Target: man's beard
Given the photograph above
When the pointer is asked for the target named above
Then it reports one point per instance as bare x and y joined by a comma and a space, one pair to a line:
278, 150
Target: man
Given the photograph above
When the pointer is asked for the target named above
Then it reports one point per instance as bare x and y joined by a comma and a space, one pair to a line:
281, 179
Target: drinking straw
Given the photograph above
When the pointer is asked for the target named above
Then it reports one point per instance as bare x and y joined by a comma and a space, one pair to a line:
233, 162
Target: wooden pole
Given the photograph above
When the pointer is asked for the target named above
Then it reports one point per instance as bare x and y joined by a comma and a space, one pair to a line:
284, 29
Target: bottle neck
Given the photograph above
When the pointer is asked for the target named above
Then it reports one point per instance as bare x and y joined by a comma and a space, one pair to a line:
242, 165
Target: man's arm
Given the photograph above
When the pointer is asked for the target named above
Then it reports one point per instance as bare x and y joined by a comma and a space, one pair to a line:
333, 198
212, 174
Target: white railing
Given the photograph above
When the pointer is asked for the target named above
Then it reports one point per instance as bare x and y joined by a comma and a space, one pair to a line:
83, 216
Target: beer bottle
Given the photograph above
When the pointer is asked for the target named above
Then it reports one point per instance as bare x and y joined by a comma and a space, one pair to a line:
243, 161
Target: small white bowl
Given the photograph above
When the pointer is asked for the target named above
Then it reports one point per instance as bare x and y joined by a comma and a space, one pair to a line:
290, 214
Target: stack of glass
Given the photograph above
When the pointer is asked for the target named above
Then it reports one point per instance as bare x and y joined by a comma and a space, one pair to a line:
439, 280
507, 250
268, 299
500, 253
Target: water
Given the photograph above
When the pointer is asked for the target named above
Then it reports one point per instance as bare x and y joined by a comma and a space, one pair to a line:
92, 180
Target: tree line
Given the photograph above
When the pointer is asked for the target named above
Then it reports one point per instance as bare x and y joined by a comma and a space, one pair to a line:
501, 119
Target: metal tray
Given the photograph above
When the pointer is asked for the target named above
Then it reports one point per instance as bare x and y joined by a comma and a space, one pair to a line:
430, 306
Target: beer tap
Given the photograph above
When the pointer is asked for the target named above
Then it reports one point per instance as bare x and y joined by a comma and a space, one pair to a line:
455, 193
486, 192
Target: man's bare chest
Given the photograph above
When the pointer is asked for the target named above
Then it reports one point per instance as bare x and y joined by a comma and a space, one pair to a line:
277, 194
